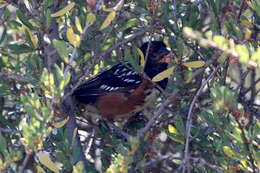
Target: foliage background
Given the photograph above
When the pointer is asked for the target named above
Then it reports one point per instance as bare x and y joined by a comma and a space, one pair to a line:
207, 120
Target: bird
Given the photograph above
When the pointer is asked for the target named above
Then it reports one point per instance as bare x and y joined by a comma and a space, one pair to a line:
120, 91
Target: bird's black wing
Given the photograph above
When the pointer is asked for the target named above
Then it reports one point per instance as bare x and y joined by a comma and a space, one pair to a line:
119, 78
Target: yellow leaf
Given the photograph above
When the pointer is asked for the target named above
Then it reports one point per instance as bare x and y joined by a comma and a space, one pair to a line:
142, 60
172, 129
194, 64
73, 38
246, 23
78, 25
248, 33
91, 18
45, 159
39, 169
243, 53
107, 9
243, 163
228, 151
79, 167
177, 139
163, 75
108, 20
64, 10
33, 39
3, 4
60, 123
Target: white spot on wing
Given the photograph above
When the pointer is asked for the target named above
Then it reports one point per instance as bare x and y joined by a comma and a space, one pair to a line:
103, 86
129, 73
124, 69
116, 72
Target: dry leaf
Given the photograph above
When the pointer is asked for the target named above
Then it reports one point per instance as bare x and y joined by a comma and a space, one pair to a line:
45, 159
108, 20
73, 38
60, 123
64, 10
163, 75
194, 64
142, 60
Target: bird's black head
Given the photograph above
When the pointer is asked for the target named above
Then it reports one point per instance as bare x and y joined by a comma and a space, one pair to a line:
156, 60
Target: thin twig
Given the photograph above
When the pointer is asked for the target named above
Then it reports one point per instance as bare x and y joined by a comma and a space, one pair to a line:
247, 146
202, 162
73, 135
157, 113
25, 162
15, 77
157, 160
97, 58
91, 139
118, 130
87, 25
189, 120
252, 85
198, 2
20, 6
74, 52
5, 130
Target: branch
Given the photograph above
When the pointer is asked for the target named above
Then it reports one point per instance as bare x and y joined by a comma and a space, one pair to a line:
15, 77
202, 162
157, 160
20, 6
118, 130
73, 136
189, 120
25, 162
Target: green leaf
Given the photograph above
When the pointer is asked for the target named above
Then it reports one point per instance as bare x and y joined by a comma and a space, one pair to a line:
3, 144
208, 116
3, 35
178, 122
62, 48
24, 19
130, 23
48, 18
75, 155
18, 49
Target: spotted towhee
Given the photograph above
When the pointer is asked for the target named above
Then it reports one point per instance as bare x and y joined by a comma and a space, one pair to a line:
120, 91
